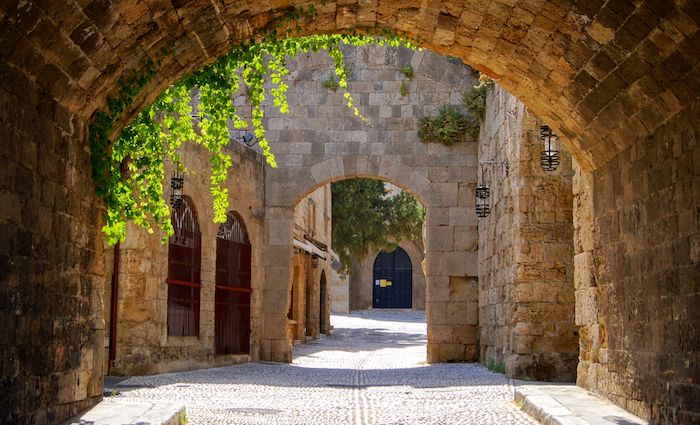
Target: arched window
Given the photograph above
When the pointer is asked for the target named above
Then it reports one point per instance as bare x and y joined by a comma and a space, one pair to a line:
184, 265
232, 298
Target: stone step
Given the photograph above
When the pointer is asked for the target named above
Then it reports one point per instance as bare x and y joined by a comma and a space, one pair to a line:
116, 411
566, 404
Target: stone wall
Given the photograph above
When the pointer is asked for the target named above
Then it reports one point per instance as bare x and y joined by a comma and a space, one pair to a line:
637, 245
51, 258
143, 343
362, 278
322, 141
526, 295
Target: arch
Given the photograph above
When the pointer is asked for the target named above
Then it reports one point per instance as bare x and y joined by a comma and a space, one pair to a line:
392, 280
184, 271
345, 167
574, 64
233, 287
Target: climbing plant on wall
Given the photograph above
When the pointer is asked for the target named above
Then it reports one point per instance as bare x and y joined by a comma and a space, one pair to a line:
129, 171
365, 218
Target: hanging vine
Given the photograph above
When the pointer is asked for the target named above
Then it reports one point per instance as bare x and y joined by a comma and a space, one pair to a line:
129, 171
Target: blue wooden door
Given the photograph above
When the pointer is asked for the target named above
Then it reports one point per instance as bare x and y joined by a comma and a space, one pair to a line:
393, 280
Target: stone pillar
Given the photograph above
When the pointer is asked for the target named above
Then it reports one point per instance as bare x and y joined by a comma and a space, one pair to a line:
451, 297
277, 282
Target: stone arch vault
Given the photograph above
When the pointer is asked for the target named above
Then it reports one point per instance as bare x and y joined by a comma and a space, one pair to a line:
618, 80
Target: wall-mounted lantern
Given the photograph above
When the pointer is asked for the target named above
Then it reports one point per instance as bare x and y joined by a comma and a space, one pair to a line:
549, 158
483, 207
177, 181
482, 201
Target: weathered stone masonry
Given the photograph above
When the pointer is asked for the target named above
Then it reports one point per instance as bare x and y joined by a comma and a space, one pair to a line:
606, 75
526, 293
637, 245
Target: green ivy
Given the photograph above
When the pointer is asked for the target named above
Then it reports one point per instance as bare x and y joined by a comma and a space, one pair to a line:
448, 127
129, 171
475, 99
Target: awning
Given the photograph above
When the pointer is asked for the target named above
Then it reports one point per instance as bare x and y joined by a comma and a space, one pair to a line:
310, 248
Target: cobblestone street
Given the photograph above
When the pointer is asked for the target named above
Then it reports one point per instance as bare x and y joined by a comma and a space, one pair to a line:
370, 370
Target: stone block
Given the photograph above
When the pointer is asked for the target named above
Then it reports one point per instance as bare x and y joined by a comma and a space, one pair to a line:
448, 353
465, 334
472, 314
439, 238
454, 263
439, 334
450, 194
439, 289
586, 307
462, 289
436, 312
281, 350
456, 313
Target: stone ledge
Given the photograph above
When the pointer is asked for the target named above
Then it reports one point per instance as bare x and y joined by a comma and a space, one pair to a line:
113, 410
563, 404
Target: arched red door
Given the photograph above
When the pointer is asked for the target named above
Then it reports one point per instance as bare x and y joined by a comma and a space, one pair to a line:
232, 298
184, 264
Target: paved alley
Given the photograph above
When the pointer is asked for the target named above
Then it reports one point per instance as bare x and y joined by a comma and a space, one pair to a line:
370, 370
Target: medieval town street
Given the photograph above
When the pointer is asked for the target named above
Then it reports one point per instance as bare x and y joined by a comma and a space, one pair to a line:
370, 370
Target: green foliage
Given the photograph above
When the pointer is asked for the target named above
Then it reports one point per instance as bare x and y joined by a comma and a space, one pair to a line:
407, 71
365, 219
331, 83
475, 99
448, 127
129, 171
404, 89
182, 417
493, 366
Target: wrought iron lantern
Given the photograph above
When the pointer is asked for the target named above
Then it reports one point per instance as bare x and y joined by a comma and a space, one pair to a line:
314, 261
482, 201
549, 158
177, 181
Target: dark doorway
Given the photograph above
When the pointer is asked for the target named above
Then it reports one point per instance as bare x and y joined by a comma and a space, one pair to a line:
232, 297
323, 327
393, 281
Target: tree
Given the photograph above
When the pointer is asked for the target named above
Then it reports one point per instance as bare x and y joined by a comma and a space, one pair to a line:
366, 218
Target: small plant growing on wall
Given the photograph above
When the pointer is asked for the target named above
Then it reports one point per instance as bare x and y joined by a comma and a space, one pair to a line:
448, 127
404, 89
331, 83
475, 99
407, 71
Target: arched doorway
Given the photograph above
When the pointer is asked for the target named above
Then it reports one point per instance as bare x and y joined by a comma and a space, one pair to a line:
184, 271
323, 324
232, 297
392, 281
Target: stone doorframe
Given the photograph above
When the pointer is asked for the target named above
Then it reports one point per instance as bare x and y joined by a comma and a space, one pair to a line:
443, 261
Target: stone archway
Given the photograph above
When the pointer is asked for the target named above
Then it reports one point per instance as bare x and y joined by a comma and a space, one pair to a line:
617, 80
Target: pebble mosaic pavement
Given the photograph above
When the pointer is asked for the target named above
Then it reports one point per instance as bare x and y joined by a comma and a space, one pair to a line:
370, 370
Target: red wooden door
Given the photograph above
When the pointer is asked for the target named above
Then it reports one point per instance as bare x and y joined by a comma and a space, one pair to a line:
184, 265
232, 298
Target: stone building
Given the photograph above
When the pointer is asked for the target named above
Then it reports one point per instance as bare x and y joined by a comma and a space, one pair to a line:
195, 301
178, 311
309, 307
617, 80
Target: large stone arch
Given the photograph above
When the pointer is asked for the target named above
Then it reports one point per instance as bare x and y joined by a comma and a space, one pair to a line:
595, 71
617, 79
